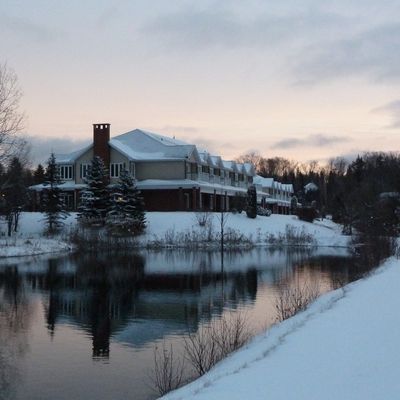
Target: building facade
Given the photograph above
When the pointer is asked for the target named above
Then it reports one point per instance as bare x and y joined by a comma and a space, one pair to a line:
171, 174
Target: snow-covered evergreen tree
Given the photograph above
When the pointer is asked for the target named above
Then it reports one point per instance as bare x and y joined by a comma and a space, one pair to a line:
126, 214
53, 204
251, 207
95, 199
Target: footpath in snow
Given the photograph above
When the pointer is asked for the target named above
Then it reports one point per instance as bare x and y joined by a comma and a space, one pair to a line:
30, 239
344, 347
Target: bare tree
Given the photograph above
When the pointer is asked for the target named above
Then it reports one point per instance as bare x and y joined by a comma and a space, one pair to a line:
293, 299
168, 370
11, 119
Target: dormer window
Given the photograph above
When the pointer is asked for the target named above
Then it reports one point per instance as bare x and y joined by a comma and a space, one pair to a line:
65, 172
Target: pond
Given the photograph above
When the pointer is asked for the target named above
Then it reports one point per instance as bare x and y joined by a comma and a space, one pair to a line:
85, 326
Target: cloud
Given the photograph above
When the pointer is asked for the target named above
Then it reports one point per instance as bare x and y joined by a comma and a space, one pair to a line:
200, 29
372, 52
27, 29
393, 110
41, 147
317, 140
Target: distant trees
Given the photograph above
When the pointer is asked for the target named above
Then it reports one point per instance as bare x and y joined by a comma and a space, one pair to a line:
14, 194
53, 204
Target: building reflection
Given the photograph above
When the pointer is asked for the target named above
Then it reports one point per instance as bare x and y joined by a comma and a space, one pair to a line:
139, 298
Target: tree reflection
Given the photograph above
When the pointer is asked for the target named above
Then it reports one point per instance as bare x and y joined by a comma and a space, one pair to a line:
15, 318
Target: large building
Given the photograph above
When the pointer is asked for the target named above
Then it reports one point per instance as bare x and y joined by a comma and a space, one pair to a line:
171, 174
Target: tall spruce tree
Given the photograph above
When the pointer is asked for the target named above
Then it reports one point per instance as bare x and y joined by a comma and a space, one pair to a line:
251, 208
53, 204
126, 214
95, 199
39, 175
14, 194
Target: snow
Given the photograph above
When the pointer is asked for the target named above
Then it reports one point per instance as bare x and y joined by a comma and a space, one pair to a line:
345, 346
325, 233
31, 240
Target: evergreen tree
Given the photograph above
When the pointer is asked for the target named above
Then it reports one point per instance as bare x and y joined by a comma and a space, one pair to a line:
53, 205
126, 214
95, 199
251, 208
14, 194
39, 175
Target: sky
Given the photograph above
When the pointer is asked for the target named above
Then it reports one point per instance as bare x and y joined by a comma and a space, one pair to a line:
304, 80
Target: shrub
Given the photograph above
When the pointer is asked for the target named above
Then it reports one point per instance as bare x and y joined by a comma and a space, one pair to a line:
307, 213
167, 371
264, 212
292, 299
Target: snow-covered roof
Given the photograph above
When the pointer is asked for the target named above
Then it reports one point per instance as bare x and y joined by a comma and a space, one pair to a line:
310, 187
71, 157
264, 182
249, 169
141, 145
216, 161
68, 185
229, 165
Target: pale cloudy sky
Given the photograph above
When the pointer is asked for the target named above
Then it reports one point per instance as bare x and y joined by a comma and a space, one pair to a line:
302, 79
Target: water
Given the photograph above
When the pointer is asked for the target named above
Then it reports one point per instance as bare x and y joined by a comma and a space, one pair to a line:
85, 327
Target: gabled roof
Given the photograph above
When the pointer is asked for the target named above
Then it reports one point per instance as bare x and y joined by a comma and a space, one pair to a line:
216, 161
141, 145
230, 166
264, 182
249, 169
71, 157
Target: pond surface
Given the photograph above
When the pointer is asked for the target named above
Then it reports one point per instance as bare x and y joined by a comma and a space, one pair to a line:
85, 327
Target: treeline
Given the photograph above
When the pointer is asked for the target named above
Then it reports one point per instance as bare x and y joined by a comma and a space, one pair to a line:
363, 193
15, 179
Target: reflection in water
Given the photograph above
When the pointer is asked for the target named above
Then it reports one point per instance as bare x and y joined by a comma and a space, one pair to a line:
133, 301
15, 312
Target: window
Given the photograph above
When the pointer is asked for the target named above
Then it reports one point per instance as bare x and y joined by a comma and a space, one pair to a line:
116, 169
65, 172
211, 171
217, 171
132, 169
85, 170
205, 169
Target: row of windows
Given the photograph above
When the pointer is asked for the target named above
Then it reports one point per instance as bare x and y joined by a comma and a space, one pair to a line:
192, 168
66, 171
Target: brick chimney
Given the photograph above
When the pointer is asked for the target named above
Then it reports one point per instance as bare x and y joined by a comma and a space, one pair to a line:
101, 137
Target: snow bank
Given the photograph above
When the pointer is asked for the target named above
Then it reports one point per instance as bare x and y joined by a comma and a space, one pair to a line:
345, 346
159, 224
29, 239
325, 233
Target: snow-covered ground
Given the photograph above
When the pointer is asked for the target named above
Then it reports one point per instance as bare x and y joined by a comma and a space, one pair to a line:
325, 233
344, 347
30, 238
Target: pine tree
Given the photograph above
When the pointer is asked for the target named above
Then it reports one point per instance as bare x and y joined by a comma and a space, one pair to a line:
53, 205
95, 199
126, 214
14, 194
251, 208
39, 175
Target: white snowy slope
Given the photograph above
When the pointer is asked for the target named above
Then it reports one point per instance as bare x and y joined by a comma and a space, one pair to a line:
30, 238
344, 347
325, 233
